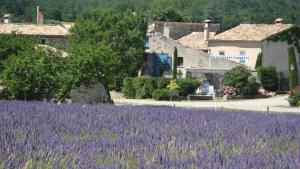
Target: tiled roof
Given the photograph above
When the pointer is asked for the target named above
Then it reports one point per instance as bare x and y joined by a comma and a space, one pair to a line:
195, 40
32, 29
251, 32
180, 29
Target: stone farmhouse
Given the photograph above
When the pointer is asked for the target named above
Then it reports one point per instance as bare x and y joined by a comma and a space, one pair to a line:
244, 42
48, 35
204, 50
193, 58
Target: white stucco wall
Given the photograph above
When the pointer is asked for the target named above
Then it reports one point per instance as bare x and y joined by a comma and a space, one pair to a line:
276, 54
231, 48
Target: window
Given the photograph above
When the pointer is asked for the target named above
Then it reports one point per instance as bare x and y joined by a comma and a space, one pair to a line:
146, 42
222, 53
43, 41
242, 53
242, 56
180, 61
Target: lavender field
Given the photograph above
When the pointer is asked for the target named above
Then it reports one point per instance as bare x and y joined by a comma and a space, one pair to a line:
43, 135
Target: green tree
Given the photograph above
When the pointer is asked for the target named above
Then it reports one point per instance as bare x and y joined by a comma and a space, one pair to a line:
228, 12
107, 45
241, 79
175, 61
268, 77
32, 74
259, 61
12, 44
89, 62
293, 74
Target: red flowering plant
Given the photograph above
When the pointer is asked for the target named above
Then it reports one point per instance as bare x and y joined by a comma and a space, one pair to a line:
229, 91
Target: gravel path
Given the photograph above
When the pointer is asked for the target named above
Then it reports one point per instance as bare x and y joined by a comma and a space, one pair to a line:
275, 104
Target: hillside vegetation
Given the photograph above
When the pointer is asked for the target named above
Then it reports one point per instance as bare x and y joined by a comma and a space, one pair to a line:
227, 12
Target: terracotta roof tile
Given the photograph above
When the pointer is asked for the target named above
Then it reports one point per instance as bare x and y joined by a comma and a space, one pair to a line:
251, 32
195, 40
31, 29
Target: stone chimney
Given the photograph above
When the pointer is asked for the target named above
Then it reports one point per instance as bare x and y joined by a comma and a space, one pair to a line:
279, 20
39, 16
206, 30
166, 30
7, 18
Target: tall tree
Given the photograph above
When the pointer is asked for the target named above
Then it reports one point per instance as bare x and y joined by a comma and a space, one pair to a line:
259, 61
293, 69
32, 74
107, 45
12, 44
175, 62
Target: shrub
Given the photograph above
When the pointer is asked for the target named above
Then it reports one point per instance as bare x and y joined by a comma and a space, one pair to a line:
162, 83
128, 88
251, 88
161, 94
268, 77
33, 75
144, 87
229, 91
240, 78
294, 99
187, 86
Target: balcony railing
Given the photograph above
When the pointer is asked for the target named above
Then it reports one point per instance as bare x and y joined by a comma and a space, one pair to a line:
239, 59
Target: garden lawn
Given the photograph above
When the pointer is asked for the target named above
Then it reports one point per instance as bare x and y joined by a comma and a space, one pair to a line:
44, 135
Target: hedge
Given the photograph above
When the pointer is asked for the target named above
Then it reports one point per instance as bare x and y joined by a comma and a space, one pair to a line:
161, 94
144, 87
128, 88
268, 77
240, 78
187, 86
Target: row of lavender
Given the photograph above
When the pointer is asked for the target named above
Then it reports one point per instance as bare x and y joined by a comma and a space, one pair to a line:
42, 135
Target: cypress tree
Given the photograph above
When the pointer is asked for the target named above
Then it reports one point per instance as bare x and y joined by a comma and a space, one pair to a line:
293, 74
175, 63
259, 61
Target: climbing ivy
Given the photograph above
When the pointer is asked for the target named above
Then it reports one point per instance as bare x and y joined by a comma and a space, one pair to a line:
291, 35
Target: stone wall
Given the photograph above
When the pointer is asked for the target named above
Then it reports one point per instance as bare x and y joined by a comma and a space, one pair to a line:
179, 29
192, 59
57, 42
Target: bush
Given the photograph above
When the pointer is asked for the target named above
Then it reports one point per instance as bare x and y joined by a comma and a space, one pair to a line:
187, 86
251, 88
144, 87
162, 83
241, 79
268, 77
33, 75
161, 94
229, 91
128, 88
294, 99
